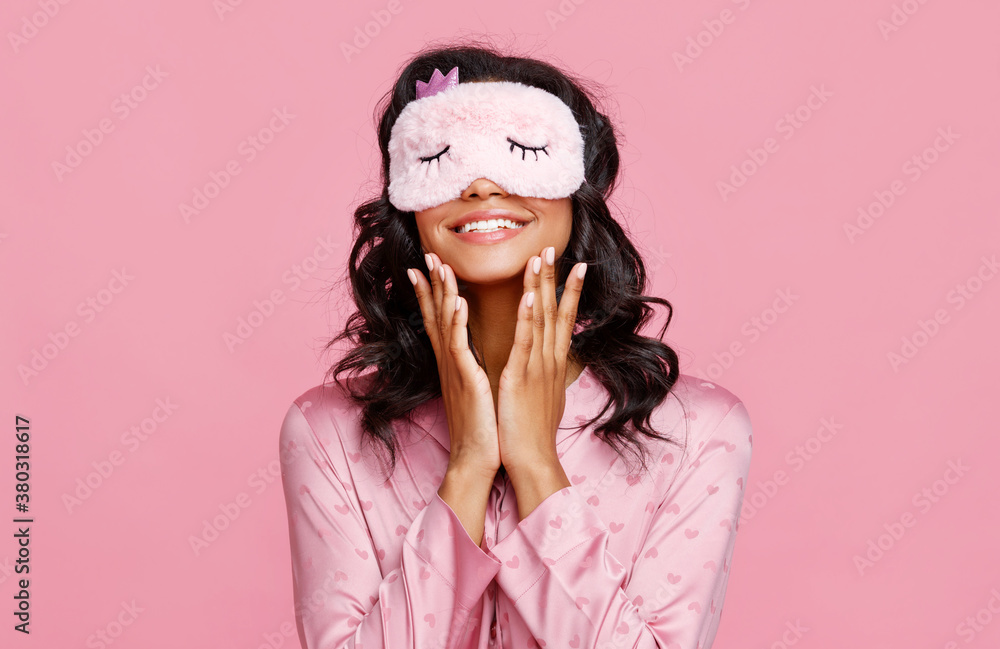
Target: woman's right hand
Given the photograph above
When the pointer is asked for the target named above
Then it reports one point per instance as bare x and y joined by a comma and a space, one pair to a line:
465, 387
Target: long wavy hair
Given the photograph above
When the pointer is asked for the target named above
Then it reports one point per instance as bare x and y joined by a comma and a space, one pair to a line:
386, 329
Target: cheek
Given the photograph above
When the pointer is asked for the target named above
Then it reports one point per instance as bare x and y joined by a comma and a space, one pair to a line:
557, 213
562, 217
425, 222
429, 226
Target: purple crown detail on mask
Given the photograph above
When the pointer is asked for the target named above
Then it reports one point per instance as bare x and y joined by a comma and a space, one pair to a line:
437, 83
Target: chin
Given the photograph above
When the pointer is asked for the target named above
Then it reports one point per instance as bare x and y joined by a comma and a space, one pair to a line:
491, 273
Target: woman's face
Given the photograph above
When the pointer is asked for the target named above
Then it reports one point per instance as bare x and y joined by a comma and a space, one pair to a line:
485, 258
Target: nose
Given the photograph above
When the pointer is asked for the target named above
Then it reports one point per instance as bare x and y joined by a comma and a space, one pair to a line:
483, 188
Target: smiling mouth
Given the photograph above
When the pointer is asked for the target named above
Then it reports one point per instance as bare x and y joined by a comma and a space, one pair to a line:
489, 225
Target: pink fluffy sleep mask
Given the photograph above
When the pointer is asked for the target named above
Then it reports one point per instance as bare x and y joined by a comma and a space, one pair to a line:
523, 138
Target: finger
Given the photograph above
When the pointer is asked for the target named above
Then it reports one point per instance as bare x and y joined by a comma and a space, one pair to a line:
459, 340
458, 343
449, 300
438, 284
520, 351
432, 279
425, 299
550, 307
537, 315
568, 308
524, 335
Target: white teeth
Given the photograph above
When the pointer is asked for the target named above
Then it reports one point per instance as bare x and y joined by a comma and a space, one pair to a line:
489, 225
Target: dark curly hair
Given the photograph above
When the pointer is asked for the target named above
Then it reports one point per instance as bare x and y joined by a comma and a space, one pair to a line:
386, 332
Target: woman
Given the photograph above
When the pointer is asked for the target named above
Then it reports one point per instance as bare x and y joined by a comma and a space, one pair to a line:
521, 468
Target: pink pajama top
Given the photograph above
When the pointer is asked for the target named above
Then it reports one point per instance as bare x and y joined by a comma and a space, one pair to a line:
614, 560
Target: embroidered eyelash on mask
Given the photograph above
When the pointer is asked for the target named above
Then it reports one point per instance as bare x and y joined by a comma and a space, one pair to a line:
452, 134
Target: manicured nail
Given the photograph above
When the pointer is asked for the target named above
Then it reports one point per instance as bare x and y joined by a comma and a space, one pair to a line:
581, 270
458, 303
430, 261
412, 276
531, 297
550, 256
536, 266
441, 272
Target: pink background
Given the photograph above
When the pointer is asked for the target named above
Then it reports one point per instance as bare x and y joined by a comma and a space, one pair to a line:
869, 99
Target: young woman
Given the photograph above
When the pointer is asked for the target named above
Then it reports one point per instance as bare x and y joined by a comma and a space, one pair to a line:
520, 468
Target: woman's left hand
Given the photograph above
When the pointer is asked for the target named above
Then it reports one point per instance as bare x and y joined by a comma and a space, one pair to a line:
532, 392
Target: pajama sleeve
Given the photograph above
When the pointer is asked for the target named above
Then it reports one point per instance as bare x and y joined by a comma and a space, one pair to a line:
570, 589
342, 600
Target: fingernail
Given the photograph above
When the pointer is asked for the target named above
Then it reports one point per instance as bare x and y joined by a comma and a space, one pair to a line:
412, 276
458, 303
537, 265
430, 261
441, 272
581, 270
550, 256
531, 297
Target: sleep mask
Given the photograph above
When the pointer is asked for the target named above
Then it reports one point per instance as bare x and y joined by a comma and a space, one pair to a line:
521, 137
